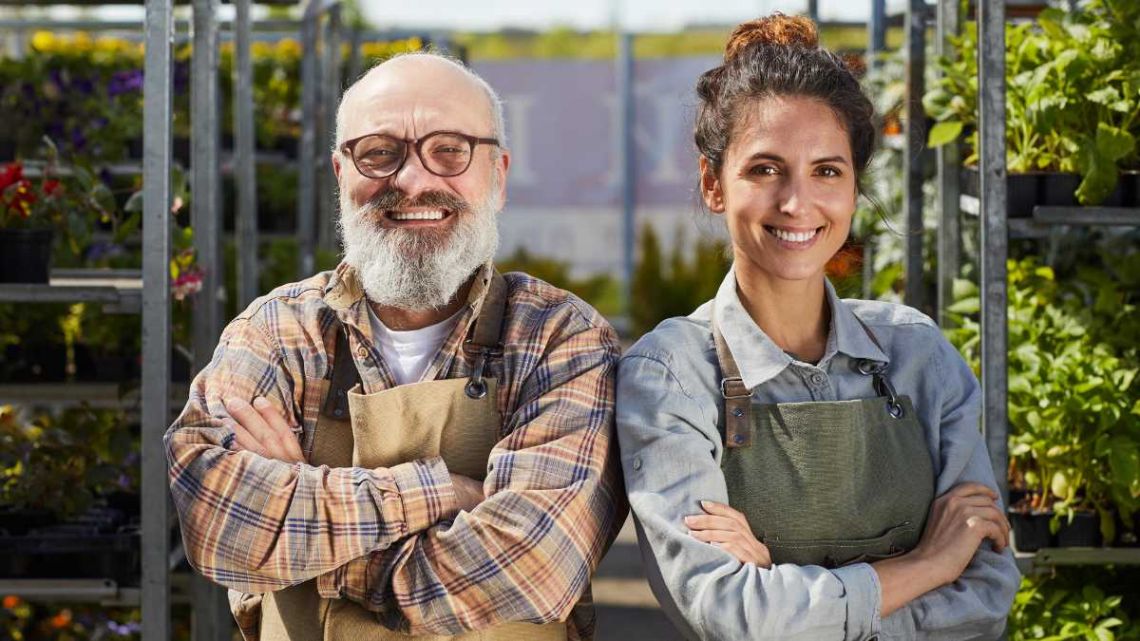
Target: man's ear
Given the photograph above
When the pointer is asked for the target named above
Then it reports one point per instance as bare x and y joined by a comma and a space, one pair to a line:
711, 191
503, 166
336, 164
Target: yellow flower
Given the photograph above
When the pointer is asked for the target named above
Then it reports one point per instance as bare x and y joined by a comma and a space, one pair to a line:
288, 48
43, 41
82, 41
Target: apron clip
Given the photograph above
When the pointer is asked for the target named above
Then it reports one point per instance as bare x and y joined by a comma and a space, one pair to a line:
476, 387
882, 384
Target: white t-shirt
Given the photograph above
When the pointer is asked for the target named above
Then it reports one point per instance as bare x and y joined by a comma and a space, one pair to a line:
409, 353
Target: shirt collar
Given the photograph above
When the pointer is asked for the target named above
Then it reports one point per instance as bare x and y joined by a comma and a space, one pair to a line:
760, 359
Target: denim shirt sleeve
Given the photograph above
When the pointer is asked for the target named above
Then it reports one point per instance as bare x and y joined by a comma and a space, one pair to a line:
669, 448
976, 605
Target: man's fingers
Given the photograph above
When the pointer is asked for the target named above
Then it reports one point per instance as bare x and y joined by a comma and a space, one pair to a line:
244, 439
282, 433
249, 418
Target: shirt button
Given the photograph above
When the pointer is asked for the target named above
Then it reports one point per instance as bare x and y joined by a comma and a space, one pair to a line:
362, 352
817, 378
637, 463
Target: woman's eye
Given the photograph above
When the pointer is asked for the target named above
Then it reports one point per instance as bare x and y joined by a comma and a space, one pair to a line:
830, 172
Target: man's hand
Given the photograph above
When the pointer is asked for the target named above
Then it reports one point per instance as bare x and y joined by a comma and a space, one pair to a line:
261, 429
468, 491
728, 529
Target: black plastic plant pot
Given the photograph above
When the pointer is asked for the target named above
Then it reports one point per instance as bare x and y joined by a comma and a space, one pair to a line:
1031, 530
1082, 532
25, 255
1022, 190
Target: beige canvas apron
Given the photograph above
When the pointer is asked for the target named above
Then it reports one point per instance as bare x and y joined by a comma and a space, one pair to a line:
457, 419
826, 483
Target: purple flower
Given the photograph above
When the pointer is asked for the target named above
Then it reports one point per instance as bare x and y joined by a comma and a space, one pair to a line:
125, 82
103, 249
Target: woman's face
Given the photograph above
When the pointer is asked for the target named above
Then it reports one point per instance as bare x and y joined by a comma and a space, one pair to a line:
787, 187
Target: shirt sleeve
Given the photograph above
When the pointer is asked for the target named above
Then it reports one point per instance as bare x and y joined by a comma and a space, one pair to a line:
257, 525
553, 506
977, 604
669, 458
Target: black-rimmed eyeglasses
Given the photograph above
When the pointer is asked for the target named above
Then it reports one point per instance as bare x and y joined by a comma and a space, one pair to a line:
443, 153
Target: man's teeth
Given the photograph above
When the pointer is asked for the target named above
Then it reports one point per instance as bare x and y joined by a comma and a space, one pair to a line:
794, 237
417, 215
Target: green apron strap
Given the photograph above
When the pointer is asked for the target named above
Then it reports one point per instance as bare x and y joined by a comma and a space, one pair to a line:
737, 397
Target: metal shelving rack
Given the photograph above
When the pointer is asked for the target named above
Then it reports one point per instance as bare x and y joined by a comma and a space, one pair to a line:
996, 230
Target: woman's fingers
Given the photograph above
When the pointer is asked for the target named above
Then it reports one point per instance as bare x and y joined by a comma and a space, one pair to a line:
710, 522
720, 509
971, 489
716, 536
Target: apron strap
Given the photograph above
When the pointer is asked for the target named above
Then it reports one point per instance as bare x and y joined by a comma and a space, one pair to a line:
344, 377
737, 397
486, 337
878, 373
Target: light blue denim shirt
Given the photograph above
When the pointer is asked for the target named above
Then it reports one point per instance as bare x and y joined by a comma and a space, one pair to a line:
668, 405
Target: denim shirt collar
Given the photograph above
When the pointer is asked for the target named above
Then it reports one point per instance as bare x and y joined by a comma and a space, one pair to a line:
760, 359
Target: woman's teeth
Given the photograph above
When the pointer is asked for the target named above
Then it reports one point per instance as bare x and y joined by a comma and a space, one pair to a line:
793, 237
417, 215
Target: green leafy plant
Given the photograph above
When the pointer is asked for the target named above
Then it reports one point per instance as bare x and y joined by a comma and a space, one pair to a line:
1073, 429
63, 462
1070, 606
1072, 98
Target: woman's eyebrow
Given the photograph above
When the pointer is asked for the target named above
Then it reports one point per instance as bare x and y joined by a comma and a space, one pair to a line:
764, 155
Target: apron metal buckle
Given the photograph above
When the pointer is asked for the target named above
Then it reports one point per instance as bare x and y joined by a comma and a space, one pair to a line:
733, 380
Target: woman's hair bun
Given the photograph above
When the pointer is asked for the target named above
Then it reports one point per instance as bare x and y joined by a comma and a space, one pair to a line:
777, 29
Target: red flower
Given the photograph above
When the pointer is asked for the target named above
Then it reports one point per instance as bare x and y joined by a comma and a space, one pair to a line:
50, 186
13, 173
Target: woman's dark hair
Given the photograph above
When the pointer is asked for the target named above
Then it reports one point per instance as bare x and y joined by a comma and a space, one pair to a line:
779, 55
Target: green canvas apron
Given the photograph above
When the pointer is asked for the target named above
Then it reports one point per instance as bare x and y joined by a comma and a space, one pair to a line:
457, 419
826, 483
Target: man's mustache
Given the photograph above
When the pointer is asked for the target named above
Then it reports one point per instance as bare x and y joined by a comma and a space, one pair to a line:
390, 199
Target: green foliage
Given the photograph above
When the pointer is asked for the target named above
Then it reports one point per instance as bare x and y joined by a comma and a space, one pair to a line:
1070, 606
1072, 98
1073, 408
663, 288
62, 462
600, 290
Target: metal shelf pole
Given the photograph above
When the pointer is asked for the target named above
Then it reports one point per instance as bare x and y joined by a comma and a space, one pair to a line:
157, 95
948, 161
206, 177
330, 93
307, 146
914, 150
995, 235
245, 174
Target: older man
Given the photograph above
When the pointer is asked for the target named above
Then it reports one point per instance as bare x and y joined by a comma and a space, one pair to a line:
412, 443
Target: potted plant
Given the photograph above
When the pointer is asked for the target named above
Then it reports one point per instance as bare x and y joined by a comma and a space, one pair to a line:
25, 225
1074, 450
1072, 106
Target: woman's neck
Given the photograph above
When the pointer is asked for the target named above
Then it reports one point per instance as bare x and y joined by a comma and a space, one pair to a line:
793, 313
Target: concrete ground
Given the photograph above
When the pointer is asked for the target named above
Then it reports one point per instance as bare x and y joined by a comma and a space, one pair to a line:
627, 609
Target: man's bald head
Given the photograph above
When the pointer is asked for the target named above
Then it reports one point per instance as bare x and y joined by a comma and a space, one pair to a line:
421, 71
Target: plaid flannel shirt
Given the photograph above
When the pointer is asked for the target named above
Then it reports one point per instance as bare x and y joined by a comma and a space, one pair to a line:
393, 539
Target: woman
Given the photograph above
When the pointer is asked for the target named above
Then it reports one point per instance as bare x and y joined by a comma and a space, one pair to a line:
802, 466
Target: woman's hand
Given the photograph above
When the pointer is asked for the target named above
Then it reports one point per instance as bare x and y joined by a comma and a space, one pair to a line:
726, 528
958, 523
261, 429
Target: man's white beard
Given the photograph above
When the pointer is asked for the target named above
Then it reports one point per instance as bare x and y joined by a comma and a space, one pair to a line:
415, 268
